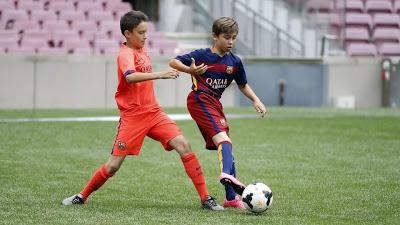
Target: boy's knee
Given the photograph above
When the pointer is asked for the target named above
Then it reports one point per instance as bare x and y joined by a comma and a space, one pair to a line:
183, 146
112, 169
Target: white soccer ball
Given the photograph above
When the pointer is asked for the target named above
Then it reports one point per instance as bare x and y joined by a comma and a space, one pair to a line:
257, 197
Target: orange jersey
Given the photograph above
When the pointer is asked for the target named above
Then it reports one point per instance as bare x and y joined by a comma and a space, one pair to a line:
134, 98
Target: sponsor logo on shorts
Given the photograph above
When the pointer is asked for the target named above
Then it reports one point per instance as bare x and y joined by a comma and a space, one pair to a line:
121, 145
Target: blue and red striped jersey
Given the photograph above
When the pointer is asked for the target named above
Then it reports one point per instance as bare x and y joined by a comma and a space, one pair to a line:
220, 74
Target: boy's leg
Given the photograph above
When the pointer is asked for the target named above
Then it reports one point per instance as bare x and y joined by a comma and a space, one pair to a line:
194, 171
170, 136
101, 175
191, 165
225, 157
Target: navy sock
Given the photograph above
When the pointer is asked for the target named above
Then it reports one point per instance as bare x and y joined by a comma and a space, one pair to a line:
228, 166
229, 192
225, 153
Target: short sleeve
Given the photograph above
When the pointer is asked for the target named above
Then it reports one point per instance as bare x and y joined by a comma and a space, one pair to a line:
126, 63
240, 76
186, 59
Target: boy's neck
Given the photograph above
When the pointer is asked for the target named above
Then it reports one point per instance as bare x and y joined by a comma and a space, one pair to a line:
131, 46
217, 51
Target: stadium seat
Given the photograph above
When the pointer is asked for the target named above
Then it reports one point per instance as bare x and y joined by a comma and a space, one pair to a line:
54, 25
396, 7
386, 35
102, 35
110, 50
22, 25
358, 20
362, 49
102, 46
118, 15
7, 43
71, 16
58, 6
356, 34
89, 6
21, 50
99, 16
378, 6
71, 44
37, 34
34, 43
42, 15
6, 6
58, 37
110, 27
356, 6
9, 34
386, 20
30, 6
390, 49
118, 6
83, 26
14, 15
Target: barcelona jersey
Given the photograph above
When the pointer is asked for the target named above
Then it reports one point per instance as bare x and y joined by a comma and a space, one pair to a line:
220, 73
134, 98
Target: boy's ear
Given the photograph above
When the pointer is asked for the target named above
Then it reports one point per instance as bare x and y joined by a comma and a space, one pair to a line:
127, 33
214, 36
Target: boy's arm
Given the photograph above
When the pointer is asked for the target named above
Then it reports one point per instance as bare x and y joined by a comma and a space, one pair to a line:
138, 76
192, 69
249, 93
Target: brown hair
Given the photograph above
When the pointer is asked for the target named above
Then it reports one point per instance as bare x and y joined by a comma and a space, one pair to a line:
225, 25
131, 20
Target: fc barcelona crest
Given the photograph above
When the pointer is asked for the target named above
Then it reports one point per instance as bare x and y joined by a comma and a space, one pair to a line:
223, 122
140, 61
229, 69
121, 145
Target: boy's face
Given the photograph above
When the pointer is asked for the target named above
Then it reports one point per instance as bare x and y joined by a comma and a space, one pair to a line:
225, 42
137, 37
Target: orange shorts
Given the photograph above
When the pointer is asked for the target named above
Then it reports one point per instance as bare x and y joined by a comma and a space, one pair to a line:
133, 130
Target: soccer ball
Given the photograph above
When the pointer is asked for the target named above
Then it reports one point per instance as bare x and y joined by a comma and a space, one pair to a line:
257, 197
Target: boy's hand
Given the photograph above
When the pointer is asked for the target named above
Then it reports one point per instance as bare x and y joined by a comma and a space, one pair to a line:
260, 107
170, 74
197, 70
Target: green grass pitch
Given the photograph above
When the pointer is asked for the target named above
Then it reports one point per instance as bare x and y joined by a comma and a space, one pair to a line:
324, 166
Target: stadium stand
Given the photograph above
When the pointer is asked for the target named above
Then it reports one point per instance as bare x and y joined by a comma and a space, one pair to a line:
68, 27
369, 27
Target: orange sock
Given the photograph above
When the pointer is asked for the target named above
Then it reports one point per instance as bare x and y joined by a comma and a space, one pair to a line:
194, 171
98, 179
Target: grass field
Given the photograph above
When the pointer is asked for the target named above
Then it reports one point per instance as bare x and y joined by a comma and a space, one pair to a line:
324, 166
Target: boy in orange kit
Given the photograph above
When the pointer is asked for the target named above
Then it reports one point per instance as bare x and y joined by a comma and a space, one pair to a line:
141, 115
212, 71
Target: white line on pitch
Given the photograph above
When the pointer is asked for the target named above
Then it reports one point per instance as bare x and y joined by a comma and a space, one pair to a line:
109, 118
